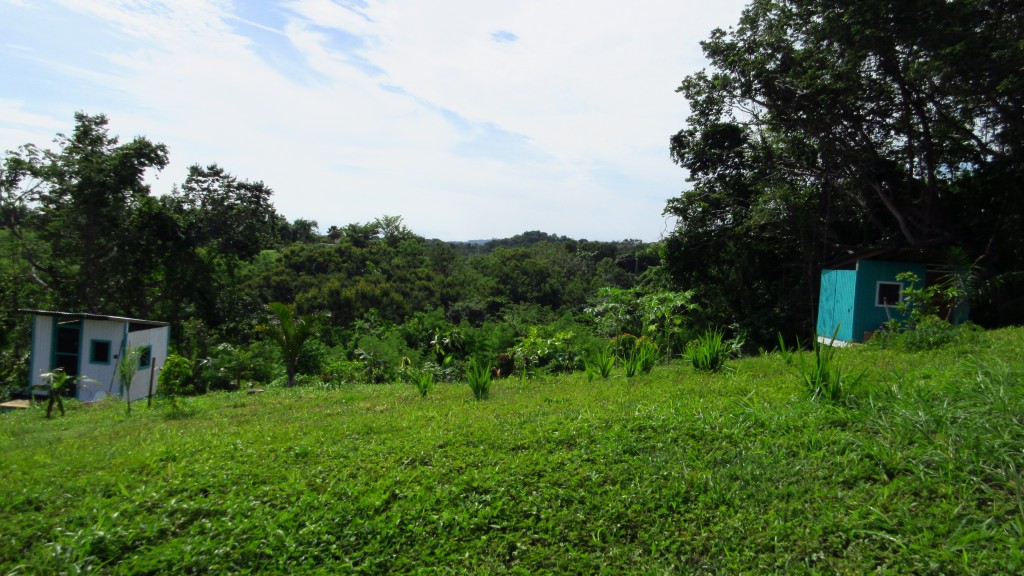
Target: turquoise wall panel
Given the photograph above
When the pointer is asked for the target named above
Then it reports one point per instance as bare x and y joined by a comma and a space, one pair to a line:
868, 316
836, 304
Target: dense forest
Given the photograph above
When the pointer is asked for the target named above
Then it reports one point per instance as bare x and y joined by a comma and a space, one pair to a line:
821, 130
82, 232
817, 132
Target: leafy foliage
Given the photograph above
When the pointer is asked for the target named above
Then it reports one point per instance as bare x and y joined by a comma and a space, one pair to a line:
175, 380
920, 326
424, 381
73, 209
55, 384
818, 132
478, 375
290, 332
127, 367
709, 352
640, 357
601, 362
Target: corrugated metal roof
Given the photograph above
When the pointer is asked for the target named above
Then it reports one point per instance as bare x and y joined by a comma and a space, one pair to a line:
87, 316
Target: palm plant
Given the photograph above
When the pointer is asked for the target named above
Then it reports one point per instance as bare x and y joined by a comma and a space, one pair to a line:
126, 372
479, 377
290, 332
56, 382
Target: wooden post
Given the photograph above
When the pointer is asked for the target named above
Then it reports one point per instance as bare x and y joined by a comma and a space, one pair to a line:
152, 370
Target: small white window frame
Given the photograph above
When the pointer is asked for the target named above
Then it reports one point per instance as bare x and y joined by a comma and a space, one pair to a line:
878, 293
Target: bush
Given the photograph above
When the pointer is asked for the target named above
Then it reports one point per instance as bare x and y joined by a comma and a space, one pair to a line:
175, 380
600, 363
13, 372
641, 357
382, 357
338, 369
229, 366
922, 328
540, 349
313, 357
709, 351
479, 377
928, 333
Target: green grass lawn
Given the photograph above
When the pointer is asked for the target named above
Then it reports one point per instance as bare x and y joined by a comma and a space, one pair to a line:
918, 471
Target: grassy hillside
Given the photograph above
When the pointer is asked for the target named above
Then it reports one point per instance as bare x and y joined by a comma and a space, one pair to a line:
919, 471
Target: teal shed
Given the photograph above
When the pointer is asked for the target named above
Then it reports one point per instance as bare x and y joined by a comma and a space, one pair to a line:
859, 294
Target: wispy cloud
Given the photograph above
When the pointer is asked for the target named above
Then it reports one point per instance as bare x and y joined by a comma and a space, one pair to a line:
476, 121
504, 36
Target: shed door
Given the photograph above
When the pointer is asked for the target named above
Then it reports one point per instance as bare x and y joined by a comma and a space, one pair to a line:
67, 348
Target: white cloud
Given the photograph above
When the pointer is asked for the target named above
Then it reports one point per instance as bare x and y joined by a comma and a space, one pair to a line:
400, 107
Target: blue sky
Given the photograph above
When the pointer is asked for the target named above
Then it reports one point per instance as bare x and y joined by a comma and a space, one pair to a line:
469, 118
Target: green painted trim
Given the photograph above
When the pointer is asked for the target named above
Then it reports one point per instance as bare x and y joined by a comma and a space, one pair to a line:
92, 351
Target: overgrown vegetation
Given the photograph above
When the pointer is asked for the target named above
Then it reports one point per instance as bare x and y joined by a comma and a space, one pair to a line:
919, 471
865, 459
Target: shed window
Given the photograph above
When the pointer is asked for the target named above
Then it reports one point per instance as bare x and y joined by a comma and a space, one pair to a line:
99, 352
146, 358
889, 294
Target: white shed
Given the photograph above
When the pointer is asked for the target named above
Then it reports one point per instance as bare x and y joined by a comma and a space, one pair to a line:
90, 345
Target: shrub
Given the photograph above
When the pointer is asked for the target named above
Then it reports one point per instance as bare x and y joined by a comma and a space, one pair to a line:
600, 363
709, 351
556, 352
928, 333
340, 370
424, 381
382, 357
175, 380
921, 327
479, 377
623, 345
641, 357
313, 357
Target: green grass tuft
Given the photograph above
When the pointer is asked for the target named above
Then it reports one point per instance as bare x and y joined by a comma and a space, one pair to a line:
709, 351
479, 377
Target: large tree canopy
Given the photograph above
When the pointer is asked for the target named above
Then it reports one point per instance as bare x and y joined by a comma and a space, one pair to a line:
81, 215
824, 127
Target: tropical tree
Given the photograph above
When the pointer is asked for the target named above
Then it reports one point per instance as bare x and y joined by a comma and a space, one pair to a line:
825, 128
76, 212
126, 370
290, 332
